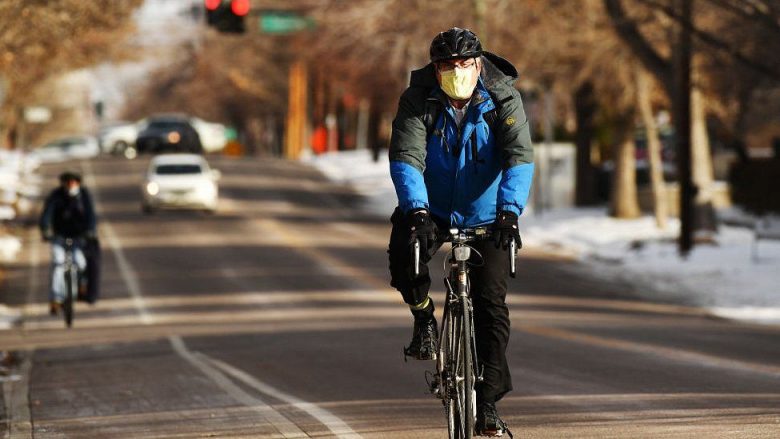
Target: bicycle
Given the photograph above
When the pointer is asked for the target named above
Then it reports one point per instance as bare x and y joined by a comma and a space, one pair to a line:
71, 282
457, 366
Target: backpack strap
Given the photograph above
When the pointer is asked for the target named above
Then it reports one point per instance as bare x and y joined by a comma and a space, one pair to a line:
491, 117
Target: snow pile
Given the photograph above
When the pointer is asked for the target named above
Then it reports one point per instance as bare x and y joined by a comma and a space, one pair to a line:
724, 276
8, 317
18, 184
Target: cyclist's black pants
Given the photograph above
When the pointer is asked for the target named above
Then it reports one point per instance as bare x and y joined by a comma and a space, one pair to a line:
488, 283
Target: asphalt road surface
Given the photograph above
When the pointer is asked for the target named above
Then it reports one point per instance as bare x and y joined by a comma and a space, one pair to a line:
274, 318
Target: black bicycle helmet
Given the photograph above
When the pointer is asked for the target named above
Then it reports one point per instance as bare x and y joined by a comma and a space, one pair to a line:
455, 43
69, 176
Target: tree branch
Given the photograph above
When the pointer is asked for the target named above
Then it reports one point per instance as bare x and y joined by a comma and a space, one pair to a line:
767, 70
750, 13
628, 32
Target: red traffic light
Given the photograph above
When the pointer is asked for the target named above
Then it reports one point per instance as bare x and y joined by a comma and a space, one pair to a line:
240, 7
212, 5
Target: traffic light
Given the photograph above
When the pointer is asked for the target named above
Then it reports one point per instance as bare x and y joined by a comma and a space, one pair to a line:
227, 15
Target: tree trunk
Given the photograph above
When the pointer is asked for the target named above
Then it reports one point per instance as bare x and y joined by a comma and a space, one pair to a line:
624, 196
705, 222
702, 158
585, 108
653, 147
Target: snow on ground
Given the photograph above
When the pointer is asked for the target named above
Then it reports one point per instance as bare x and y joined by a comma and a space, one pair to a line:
724, 276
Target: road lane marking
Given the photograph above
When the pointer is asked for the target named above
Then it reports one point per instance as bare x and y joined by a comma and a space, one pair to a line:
682, 355
126, 270
276, 419
326, 418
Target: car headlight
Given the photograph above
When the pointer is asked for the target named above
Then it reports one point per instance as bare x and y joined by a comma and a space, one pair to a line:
152, 188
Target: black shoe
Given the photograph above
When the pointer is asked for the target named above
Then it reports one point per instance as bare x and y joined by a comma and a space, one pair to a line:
489, 423
424, 340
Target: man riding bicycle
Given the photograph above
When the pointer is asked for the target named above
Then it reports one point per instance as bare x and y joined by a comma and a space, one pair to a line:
67, 214
461, 156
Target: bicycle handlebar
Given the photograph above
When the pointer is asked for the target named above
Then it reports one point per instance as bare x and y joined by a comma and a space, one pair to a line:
464, 236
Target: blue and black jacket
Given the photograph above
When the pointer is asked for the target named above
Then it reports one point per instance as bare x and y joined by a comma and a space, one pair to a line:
463, 175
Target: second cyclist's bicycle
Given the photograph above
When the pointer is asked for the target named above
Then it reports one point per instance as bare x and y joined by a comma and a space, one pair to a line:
71, 273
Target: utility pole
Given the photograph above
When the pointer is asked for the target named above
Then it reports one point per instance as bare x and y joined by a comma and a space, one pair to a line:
682, 125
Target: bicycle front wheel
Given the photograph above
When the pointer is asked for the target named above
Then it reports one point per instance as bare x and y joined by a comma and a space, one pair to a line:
460, 400
467, 392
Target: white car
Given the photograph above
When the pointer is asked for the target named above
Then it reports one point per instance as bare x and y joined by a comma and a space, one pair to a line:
117, 138
67, 148
183, 181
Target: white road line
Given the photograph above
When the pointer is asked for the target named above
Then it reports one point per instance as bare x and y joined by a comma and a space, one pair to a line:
199, 361
126, 270
328, 419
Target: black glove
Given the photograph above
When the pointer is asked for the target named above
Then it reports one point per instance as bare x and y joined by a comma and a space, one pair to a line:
421, 227
505, 229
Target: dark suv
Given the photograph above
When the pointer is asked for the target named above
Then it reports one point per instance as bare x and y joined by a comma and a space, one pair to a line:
164, 134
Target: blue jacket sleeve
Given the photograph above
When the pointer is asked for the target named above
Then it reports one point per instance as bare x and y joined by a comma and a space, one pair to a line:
514, 188
409, 186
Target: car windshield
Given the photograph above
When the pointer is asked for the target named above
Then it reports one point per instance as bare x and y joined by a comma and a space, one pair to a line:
166, 125
178, 169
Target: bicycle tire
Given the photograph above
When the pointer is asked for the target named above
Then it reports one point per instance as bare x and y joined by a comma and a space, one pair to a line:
469, 409
67, 305
448, 370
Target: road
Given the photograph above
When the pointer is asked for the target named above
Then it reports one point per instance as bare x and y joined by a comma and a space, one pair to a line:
273, 318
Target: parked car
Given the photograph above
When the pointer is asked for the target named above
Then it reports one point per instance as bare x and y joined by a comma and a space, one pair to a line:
167, 134
119, 137
67, 148
183, 181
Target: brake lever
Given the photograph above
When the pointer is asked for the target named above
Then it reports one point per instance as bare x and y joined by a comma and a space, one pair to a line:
512, 259
416, 257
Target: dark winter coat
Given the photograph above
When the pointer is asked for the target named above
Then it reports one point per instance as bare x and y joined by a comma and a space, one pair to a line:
463, 175
67, 216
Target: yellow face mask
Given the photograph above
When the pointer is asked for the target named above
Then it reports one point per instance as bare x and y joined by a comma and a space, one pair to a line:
459, 82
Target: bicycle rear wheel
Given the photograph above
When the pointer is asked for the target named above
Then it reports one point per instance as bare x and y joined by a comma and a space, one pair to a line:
67, 306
